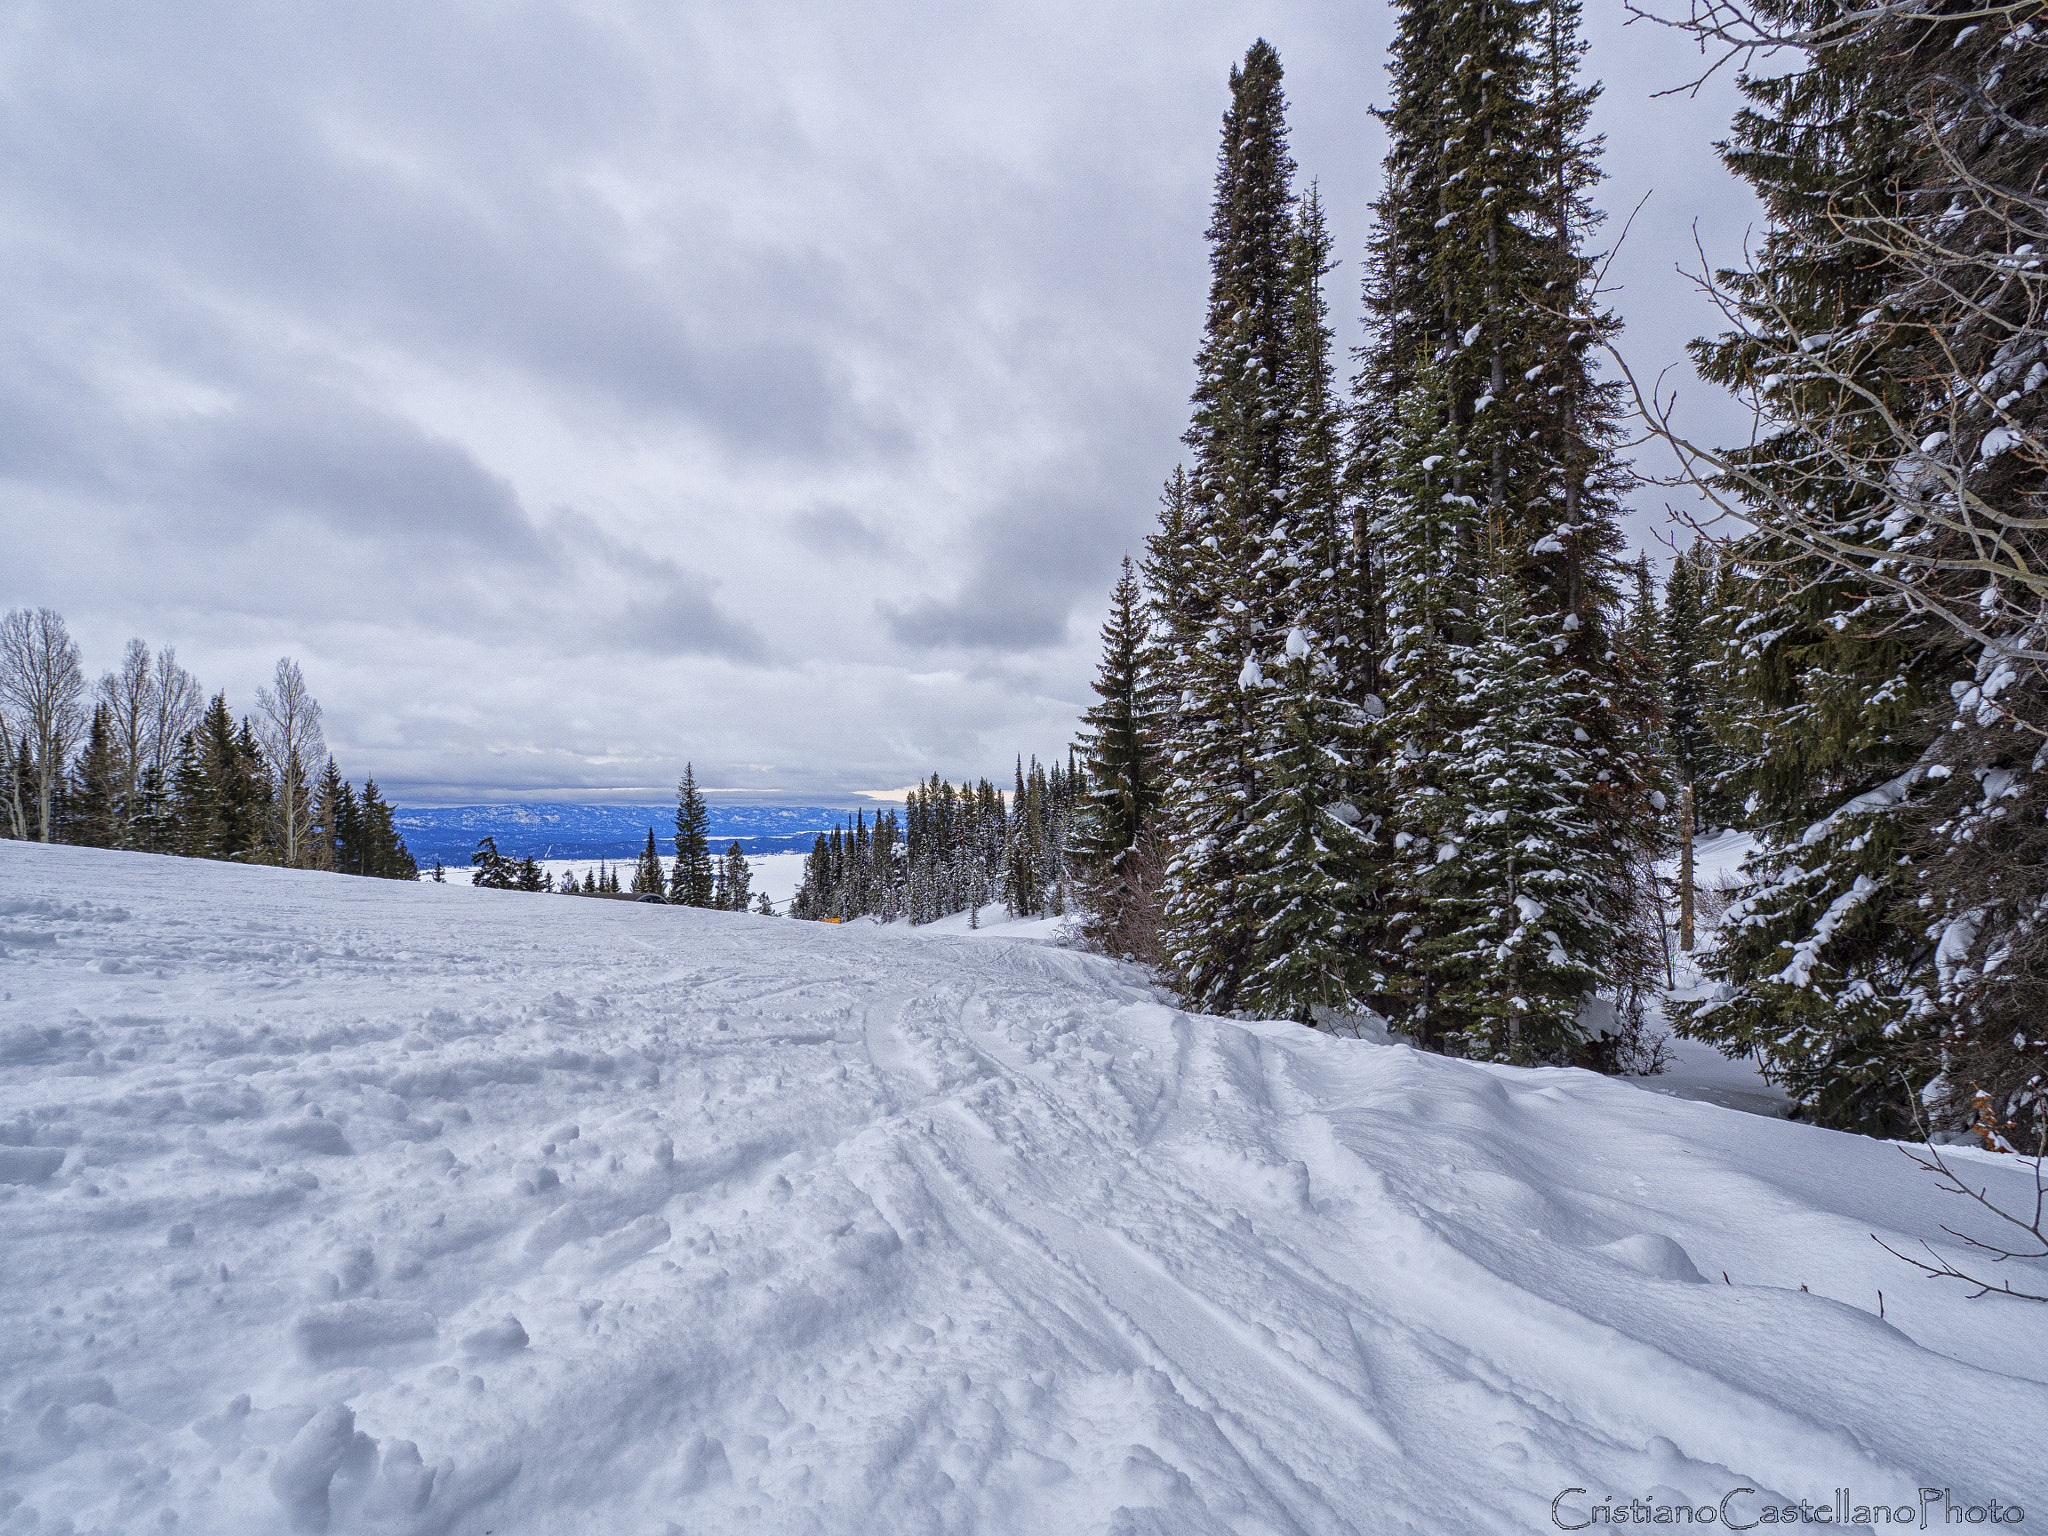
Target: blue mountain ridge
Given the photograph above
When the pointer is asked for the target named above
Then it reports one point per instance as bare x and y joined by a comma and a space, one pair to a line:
565, 830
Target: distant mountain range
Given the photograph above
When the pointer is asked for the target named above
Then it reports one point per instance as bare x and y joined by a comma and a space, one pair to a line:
562, 830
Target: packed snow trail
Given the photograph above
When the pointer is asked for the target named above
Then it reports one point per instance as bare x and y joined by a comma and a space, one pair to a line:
336, 1205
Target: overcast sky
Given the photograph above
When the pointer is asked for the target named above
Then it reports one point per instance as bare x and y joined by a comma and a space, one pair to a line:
577, 389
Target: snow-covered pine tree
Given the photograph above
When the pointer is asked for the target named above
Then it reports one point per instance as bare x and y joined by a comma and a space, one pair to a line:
1479, 381
1893, 335
1424, 528
1311, 853
1517, 936
690, 878
1118, 834
1825, 682
1225, 610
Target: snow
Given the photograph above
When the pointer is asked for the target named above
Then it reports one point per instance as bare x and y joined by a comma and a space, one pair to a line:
352, 1206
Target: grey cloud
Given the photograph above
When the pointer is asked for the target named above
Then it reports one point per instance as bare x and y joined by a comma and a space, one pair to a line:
805, 369
360, 472
836, 530
1034, 560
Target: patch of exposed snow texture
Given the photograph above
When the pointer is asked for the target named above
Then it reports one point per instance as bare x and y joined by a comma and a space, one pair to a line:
338, 1205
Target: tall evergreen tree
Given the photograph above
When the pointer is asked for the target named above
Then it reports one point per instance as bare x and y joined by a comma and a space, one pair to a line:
1229, 606
1311, 855
1822, 964
691, 879
1518, 937
94, 805
1494, 451
1118, 835
1684, 655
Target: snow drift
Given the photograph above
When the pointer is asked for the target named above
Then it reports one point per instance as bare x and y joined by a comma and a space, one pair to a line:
330, 1205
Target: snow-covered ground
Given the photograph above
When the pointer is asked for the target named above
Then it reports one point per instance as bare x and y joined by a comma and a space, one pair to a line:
336, 1204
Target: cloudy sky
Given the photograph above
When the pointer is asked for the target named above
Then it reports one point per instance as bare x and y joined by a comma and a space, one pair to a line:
575, 389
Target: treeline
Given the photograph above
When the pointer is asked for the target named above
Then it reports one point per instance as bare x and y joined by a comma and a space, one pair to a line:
143, 761
694, 879
955, 849
1379, 725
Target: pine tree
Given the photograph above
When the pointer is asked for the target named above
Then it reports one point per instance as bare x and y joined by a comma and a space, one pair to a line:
1493, 449
735, 880
93, 807
1311, 855
1227, 604
190, 818
647, 876
494, 872
1645, 655
1822, 965
690, 881
1685, 704
384, 854
1519, 939
326, 833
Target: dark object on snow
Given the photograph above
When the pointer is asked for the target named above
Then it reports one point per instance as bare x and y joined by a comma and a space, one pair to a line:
659, 901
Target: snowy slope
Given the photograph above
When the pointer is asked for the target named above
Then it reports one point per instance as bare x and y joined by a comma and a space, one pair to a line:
337, 1204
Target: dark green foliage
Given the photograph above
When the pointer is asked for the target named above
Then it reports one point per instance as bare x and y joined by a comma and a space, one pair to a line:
735, 881
93, 801
380, 852
494, 872
1817, 688
1224, 603
691, 879
953, 848
1690, 743
221, 791
1118, 832
647, 876
1485, 457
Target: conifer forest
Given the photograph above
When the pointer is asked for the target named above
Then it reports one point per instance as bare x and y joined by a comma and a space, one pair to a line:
1388, 718
1390, 721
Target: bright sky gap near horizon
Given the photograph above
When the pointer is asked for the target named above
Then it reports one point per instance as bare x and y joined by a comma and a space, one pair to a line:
576, 390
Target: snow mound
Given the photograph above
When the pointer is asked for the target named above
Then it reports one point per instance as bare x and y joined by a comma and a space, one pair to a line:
337, 1206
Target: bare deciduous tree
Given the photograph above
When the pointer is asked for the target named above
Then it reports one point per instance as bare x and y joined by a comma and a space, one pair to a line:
289, 730
129, 697
178, 702
41, 679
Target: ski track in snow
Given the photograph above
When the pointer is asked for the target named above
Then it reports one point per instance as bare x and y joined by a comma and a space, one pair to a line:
336, 1205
